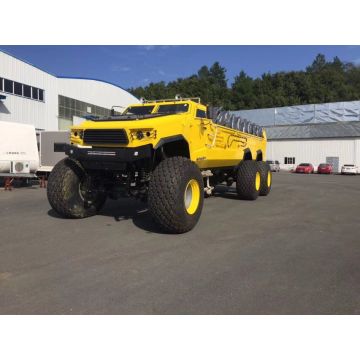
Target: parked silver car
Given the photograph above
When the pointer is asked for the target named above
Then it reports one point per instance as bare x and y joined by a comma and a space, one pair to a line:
274, 165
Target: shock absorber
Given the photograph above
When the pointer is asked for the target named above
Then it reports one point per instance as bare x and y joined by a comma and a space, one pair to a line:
208, 188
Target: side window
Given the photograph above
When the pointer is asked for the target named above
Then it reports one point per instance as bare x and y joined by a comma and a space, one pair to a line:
200, 114
1, 84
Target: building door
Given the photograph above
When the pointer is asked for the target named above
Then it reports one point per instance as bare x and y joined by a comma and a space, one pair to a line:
334, 161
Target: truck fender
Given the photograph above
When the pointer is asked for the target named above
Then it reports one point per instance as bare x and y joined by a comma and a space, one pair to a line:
247, 154
169, 139
259, 155
171, 146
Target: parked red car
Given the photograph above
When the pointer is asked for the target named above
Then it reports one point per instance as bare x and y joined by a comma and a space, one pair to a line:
305, 168
325, 169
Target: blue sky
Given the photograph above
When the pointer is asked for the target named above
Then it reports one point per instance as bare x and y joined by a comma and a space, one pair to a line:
131, 66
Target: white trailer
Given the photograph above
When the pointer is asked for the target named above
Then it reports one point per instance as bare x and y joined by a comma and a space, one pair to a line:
19, 155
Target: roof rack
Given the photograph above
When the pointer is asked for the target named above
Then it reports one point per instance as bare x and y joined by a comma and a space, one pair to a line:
177, 98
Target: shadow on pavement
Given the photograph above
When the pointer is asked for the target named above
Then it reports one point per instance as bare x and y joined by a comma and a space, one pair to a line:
126, 209
131, 209
225, 192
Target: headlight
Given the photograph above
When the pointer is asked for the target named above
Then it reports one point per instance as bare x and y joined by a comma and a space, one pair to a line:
139, 135
77, 133
143, 134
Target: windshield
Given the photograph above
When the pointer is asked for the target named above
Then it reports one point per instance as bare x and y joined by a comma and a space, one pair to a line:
269, 162
349, 165
304, 164
324, 165
139, 110
173, 108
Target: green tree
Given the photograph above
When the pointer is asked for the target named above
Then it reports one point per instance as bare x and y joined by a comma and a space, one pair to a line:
242, 92
322, 81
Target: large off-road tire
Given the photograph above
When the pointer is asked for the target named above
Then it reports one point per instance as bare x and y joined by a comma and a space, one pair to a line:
248, 180
265, 178
176, 194
66, 191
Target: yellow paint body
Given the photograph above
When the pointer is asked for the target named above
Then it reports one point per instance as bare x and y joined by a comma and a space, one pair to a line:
210, 145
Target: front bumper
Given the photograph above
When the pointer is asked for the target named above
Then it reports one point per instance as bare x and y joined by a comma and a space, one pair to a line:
108, 158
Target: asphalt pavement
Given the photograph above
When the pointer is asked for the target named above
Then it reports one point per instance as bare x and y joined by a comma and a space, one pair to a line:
296, 251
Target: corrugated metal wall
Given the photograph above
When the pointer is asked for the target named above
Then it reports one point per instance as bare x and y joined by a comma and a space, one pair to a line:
19, 109
315, 151
95, 92
44, 115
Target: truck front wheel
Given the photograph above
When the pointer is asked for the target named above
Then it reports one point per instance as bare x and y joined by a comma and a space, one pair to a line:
70, 191
176, 194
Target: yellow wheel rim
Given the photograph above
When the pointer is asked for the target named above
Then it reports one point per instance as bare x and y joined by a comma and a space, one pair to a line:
192, 196
269, 179
257, 181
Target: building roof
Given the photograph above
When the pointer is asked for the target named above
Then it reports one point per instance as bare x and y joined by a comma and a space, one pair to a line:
314, 131
304, 114
64, 77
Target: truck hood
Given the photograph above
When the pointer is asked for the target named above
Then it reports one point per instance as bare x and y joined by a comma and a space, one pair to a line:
125, 121
130, 117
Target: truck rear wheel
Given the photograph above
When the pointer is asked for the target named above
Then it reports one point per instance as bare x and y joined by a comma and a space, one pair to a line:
248, 180
176, 194
265, 177
68, 191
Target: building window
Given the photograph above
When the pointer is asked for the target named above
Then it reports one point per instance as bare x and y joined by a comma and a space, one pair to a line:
27, 91
289, 161
18, 89
8, 86
69, 107
35, 93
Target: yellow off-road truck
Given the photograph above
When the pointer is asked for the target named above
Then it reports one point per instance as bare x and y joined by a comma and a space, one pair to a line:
169, 153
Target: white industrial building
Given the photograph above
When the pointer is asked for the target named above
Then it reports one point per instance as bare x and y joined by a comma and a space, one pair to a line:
315, 134
30, 95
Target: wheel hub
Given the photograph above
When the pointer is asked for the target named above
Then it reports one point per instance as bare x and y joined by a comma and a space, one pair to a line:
192, 196
269, 179
257, 181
